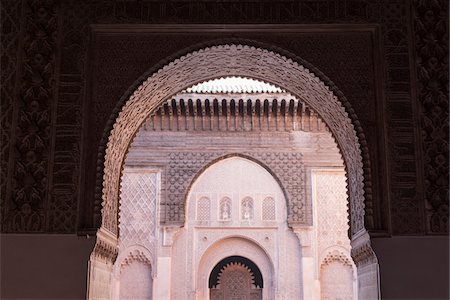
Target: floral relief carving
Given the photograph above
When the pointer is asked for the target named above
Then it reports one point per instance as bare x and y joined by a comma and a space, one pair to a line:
32, 149
11, 14
431, 34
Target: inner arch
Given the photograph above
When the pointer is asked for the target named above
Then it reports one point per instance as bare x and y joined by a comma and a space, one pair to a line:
215, 273
216, 62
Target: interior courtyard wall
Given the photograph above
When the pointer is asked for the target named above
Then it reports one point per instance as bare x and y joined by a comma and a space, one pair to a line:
319, 151
267, 243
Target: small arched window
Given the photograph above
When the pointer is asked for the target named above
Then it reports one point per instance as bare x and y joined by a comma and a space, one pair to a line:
225, 209
247, 209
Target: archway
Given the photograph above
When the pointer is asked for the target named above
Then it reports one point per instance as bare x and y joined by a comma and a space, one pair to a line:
246, 61
226, 250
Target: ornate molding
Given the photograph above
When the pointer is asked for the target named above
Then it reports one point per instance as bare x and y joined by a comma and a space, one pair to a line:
210, 112
136, 255
336, 255
362, 252
106, 247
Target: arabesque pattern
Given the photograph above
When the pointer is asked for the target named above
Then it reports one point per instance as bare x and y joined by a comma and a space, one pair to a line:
138, 209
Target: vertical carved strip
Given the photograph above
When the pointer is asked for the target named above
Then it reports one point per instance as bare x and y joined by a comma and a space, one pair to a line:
292, 114
11, 44
170, 115
285, 114
218, 112
275, 109
268, 113
29, 190
431, 37
241, 115
203, 112
258, 108
404, 186
179, 115
190, 113
252, 113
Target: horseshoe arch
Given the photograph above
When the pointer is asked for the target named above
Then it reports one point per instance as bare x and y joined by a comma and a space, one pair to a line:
245, 61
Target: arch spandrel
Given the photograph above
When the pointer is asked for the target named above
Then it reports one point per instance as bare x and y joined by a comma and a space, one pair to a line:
237, 60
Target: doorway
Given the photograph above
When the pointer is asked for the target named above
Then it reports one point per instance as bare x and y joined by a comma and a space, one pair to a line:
236, 278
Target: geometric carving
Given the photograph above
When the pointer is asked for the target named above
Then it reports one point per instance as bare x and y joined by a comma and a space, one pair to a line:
331, 200
138, 200
268, 209
139, 192
203, 209
336, 256
236, 281
135, 255
286, 166
233, 266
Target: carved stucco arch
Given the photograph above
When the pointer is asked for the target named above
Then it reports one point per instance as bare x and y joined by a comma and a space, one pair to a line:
233, 245
336, 253
135, 252
104, 142
245, 61
249, 158
237, 60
